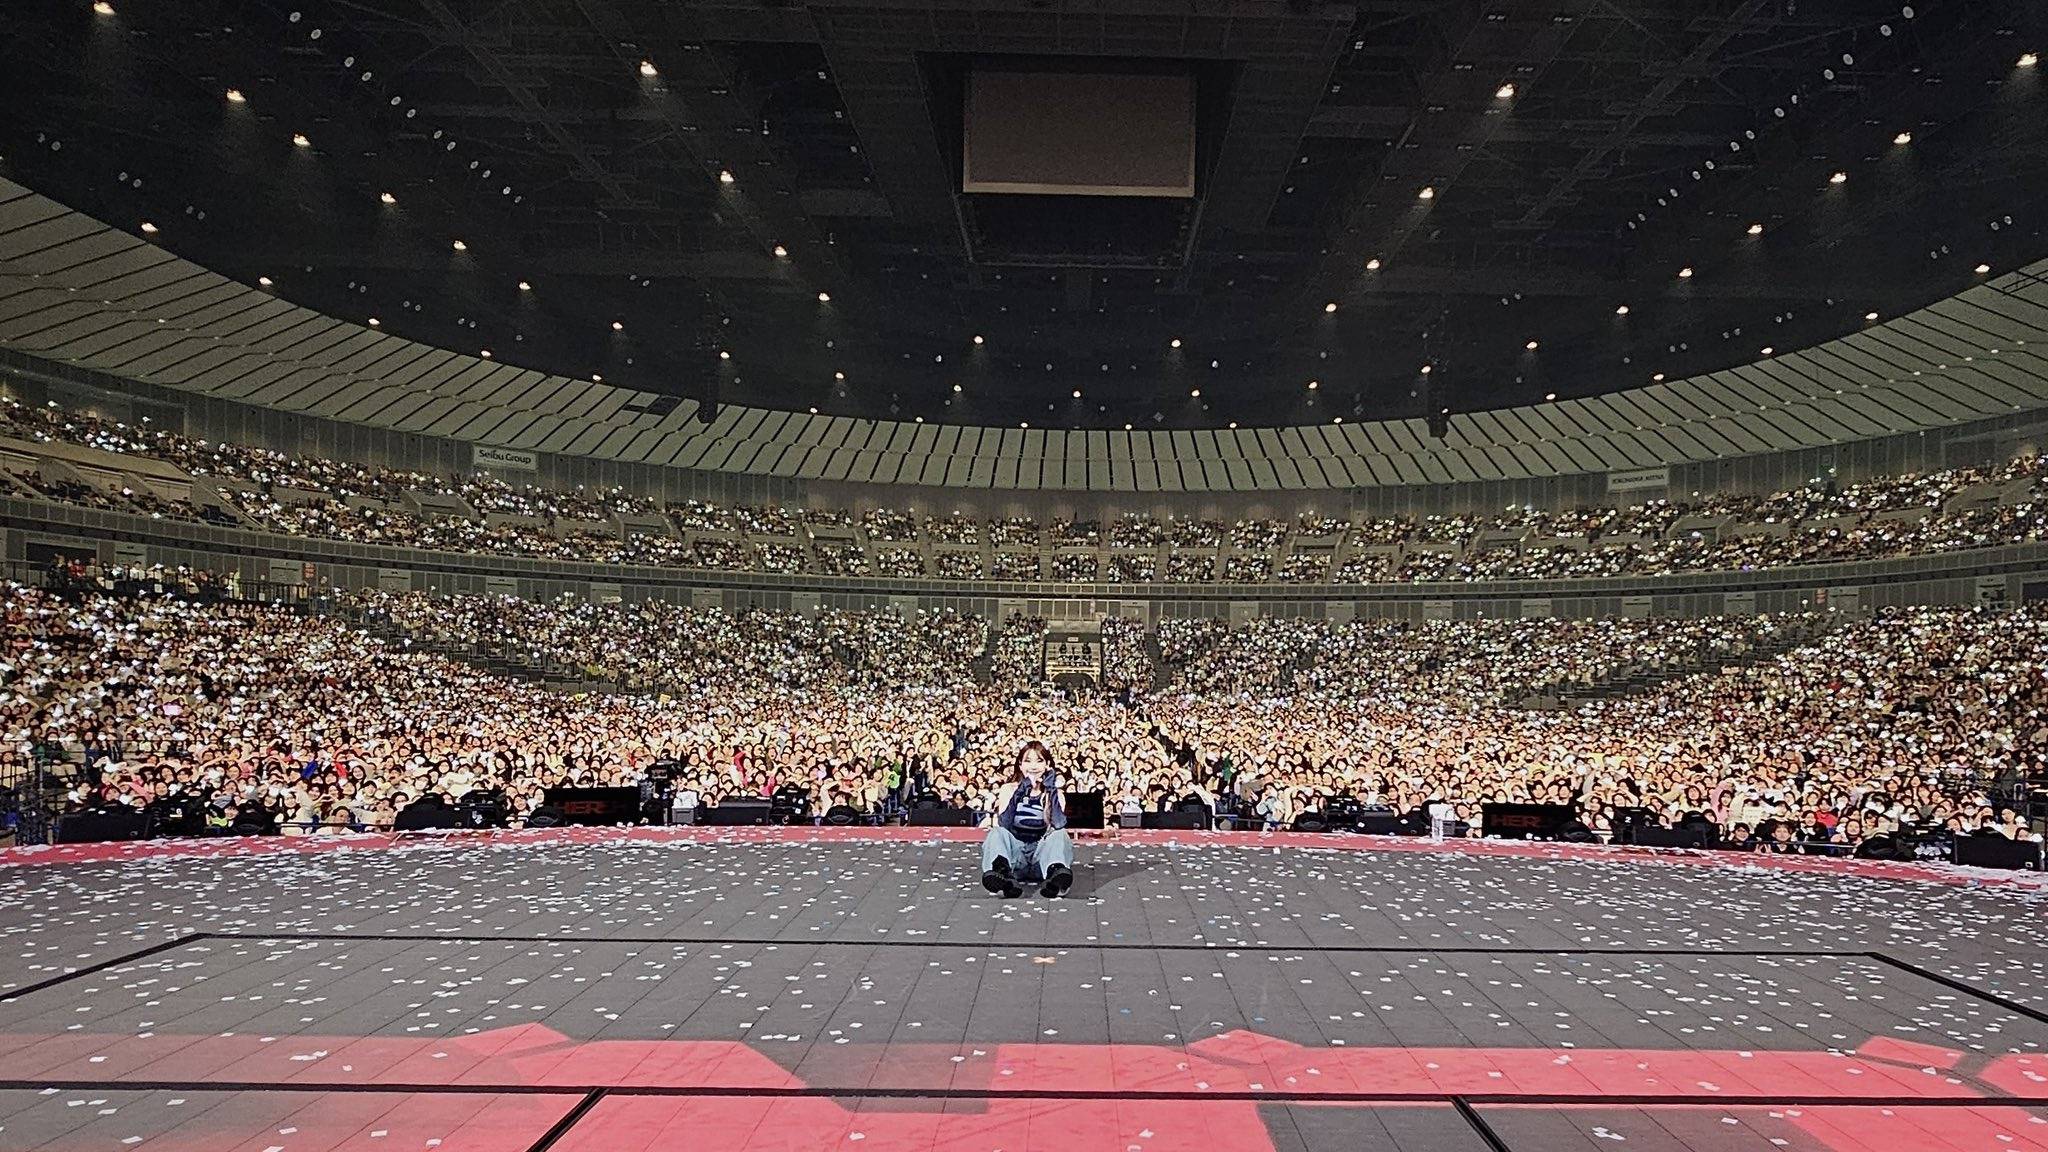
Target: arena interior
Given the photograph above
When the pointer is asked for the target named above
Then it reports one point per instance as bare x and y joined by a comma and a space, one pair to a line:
1023, 575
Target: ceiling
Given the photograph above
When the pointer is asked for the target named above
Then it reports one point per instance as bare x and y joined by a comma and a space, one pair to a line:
1639, 140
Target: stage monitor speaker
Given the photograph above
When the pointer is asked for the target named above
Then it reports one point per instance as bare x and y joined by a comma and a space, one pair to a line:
941, 818
595, 805
101, 827
1178, 818
418, 817
1685, 836
733, 813
1525, 821
1978, 851
1311, 822
1084, 809
1377, 824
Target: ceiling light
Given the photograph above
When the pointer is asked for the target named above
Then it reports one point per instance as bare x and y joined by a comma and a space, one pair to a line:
149, 228
977, 339
1768, 350
618, 326
1195, 393
597, 378
486, 353
235, 96
724, 355
814, 411
1756, 229
1127, 427
1531, 345
1336, 419
263, 280
1621, 311
1659, 378
1839, 178
647, 68
1077, 393
103, 8
920, 419
724, 177
460, 246
1504, 92
525, 287
1173, 343
824, 297
1903, 138
1425, 369
387, 198
780, 251
839, 375
299, 138
1233, 423
1870, 315
2027, 59
1685, 273
376, 323
1023, 423
1313, 385
1372, 265
1550, 395
1330, 307
1983, 268
956, 387
1427, 193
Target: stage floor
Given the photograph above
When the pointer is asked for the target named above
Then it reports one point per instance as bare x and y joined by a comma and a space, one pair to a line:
725, 992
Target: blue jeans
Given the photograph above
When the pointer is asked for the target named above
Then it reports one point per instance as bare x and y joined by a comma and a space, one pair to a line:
1029, 860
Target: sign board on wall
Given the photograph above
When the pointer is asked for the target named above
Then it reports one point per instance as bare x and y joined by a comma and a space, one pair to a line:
706, 598
1739, 603
1537, 609
286, 572
1990, 589
1341, 612
1846, 598
394, 580
484, 456
1072, 653
1636, 607
603, 593
501, 586
1639, 480
130, 554
1438, 610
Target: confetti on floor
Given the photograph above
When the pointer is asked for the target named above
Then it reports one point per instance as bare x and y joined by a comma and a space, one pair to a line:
594, 993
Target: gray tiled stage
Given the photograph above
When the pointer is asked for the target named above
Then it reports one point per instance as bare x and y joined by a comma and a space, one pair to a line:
1996, 938
871, 997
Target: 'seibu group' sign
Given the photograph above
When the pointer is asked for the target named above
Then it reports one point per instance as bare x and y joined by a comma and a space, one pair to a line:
487, 457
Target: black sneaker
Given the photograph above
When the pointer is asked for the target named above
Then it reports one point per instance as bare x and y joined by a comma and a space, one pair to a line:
999, 881
1057, 880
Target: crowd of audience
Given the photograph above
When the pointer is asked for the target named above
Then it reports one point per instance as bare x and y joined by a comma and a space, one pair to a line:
480, 512
163, 689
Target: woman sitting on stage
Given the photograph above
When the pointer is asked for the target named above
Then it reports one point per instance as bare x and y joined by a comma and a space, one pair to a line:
1027, 836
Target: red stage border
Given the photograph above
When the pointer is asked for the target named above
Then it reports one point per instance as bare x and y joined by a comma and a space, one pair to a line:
1324, 841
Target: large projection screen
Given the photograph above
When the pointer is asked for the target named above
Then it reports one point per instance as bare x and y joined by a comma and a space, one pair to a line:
1079, 134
